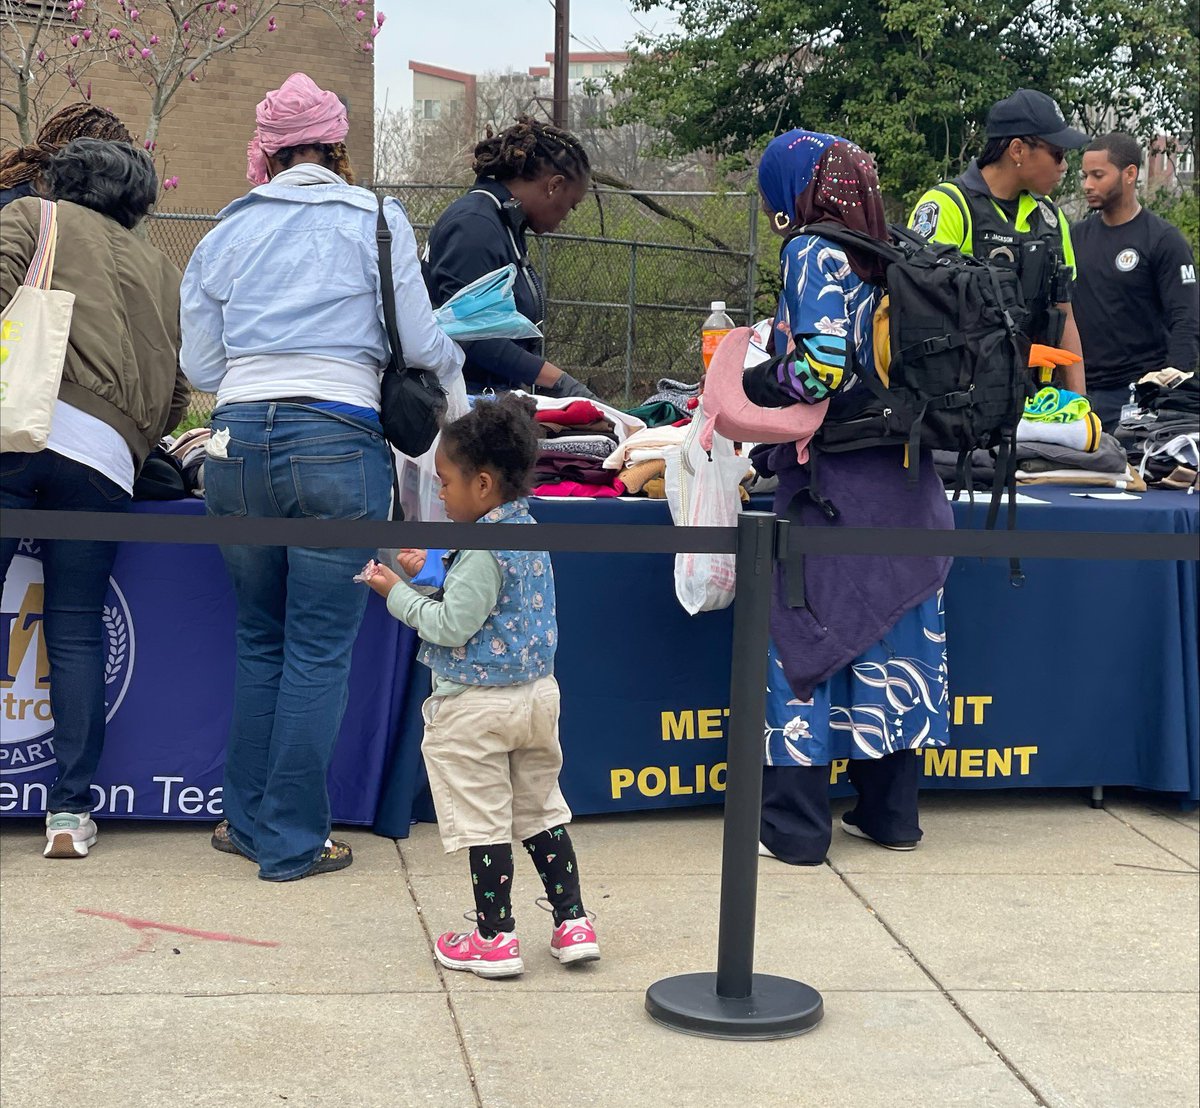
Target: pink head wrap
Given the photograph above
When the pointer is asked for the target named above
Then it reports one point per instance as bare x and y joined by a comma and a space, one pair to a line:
296, 113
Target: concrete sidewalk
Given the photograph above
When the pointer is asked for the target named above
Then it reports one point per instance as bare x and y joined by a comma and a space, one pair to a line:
1033, 951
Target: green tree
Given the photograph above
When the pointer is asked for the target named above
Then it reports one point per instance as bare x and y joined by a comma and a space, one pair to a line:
909, 80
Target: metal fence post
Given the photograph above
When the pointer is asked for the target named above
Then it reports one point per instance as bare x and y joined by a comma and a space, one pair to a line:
752, 263
629, 327
736, 1002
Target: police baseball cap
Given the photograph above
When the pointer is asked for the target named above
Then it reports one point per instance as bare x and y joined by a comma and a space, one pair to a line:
1032, 113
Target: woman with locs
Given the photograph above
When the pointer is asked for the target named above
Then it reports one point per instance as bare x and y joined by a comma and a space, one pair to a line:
527, 178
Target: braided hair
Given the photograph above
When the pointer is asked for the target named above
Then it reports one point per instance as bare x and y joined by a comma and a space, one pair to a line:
528, 150
333, 156
79, 120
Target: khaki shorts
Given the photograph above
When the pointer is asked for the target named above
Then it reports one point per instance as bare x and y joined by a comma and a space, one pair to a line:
493, 759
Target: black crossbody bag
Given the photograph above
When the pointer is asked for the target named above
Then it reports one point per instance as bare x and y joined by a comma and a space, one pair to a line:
412, 402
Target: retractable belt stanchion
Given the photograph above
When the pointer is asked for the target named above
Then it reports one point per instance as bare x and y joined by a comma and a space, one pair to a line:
735, 1002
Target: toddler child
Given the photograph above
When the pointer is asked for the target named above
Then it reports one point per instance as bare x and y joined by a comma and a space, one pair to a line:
491, 726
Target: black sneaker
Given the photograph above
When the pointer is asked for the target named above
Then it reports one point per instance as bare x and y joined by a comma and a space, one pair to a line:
859, 833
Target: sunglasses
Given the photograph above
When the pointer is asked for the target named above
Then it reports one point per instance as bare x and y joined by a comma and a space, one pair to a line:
1056, 152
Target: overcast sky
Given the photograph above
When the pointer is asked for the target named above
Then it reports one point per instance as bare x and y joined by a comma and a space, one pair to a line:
479, 36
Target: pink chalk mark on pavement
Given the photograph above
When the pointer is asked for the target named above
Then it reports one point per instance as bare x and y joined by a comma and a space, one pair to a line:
173, 928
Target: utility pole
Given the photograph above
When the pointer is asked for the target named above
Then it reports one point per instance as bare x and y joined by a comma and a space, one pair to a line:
562, 64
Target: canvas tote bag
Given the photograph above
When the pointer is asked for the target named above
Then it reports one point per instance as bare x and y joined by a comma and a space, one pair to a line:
33, 343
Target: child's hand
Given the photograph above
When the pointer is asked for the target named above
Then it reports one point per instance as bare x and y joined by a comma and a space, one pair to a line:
411, 561
382, 579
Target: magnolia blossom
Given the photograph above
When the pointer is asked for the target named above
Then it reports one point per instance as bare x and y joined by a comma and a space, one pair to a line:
114, 34
360, 15
379, 18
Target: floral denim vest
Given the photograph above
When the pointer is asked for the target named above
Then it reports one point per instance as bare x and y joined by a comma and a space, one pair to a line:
517, 643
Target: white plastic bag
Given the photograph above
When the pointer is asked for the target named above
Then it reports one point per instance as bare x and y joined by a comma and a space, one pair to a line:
702, 491
419, 485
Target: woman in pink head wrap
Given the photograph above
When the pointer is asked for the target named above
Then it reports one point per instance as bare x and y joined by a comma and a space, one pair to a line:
297, 115
282, 317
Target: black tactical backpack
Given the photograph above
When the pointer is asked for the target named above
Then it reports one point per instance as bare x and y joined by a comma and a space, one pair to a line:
958, 373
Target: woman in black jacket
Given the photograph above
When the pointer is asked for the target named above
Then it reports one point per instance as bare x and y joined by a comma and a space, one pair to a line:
530, 176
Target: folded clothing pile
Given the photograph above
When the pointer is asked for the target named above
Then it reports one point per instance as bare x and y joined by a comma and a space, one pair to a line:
1169, 394
1060, 442
576, 440
1046, 463
677, 393
640, 462
1163, 437
190, 450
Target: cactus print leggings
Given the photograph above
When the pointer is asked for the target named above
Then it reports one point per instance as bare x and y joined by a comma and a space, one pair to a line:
492, 874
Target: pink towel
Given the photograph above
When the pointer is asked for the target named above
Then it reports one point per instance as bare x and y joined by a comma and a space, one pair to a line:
296, 113
728, 411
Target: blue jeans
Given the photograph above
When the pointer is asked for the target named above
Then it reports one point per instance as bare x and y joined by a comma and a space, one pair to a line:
76, 583
298, 613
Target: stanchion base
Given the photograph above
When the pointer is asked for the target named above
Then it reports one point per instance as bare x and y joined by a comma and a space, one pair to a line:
776, 1008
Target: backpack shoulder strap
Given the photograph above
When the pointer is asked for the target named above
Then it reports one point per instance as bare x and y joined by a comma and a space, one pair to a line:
854, 240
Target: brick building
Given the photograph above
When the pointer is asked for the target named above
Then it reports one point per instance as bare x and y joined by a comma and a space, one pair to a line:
203, 137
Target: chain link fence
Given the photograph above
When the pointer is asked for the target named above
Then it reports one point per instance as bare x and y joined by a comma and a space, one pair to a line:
628, 279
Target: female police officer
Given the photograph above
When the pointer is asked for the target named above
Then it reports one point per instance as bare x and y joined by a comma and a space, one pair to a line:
999, 210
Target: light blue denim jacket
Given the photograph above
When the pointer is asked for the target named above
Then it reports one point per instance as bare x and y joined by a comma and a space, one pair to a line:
518, 641
292, 269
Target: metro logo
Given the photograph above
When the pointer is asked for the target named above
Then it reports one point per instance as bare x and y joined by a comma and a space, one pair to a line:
26, 716
18, 631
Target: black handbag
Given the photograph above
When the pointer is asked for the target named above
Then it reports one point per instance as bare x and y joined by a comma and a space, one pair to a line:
412, 402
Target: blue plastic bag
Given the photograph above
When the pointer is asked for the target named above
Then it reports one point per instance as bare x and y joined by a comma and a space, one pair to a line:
485, 309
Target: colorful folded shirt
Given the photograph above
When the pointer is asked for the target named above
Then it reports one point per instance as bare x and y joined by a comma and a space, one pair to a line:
1054, 405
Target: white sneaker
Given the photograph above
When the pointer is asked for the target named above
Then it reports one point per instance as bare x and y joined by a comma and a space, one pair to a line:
69, 834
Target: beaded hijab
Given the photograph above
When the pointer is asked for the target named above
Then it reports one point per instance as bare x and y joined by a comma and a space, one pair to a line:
807, 176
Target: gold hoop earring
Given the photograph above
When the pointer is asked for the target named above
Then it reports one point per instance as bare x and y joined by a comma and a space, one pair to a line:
782, 221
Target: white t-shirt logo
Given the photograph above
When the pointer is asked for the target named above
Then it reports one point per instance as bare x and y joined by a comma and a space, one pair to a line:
1127, 260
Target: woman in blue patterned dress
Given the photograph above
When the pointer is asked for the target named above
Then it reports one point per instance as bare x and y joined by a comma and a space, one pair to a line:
857, 673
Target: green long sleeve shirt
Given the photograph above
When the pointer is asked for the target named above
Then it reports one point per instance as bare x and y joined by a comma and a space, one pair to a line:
469, 595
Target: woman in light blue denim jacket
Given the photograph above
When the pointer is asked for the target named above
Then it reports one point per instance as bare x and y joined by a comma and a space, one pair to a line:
282, 317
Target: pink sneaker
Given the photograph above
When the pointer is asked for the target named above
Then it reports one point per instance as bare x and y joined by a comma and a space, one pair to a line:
574, 940
469, 950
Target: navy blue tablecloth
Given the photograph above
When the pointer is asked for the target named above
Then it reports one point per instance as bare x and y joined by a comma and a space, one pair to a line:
169, 620
1085, 676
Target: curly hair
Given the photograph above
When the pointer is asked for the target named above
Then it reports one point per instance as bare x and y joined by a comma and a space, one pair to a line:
80, 120
530, 149
333, 156
500, 436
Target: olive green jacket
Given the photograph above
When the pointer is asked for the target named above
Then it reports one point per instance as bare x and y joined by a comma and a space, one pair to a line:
122, 363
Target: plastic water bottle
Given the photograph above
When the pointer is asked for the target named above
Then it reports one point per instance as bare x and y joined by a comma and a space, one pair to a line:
716, 327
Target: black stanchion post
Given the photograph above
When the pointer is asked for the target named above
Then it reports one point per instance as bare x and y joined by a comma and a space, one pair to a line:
736, 1002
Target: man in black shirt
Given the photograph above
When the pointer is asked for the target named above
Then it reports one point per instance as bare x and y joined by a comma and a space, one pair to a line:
1135, 289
